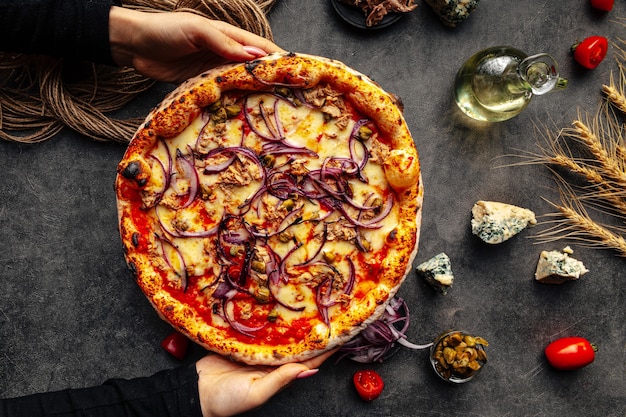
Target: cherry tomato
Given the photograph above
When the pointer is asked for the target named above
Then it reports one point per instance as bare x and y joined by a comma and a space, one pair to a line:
176, 344
591, 51
570, 353
605, 5
368, 384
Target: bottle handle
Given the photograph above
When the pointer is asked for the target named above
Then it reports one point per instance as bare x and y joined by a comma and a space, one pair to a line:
541, 72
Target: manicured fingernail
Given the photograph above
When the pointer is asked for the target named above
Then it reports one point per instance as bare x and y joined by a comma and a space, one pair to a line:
307, 373
253, 50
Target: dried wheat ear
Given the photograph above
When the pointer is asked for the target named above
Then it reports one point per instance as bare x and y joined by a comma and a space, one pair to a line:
588, 162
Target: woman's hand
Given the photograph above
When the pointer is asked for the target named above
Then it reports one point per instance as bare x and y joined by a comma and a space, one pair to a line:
228, 388
174, 46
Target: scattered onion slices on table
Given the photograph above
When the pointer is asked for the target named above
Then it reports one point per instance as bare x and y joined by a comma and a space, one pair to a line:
376, 342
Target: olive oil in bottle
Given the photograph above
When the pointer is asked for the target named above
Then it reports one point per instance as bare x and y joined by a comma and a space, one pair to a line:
498, 83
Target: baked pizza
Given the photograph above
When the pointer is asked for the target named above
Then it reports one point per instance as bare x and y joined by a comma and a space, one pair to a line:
270, 210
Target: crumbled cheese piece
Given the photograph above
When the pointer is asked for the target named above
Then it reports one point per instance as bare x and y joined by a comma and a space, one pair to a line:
438, 272
453, 12
556, 267
495, 222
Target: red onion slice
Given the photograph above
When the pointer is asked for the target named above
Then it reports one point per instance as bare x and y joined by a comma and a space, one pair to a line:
220, 167
319, 249
384, 212
375, 342
275, 271
238, 326
166, 179
354, 137
270, 122
168, 249
165, 166
187, 167
252, 125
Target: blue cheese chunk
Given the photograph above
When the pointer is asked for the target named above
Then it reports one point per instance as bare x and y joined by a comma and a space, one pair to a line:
437, 271
556, 267
496, 222
452, 12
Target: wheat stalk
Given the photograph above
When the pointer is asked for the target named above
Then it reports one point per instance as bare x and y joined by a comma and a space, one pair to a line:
582, 229
574, 223
614, 93
593, 149
590, 134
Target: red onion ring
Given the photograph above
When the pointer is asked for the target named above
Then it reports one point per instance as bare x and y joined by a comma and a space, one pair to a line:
275, 270
238, 326
182, 271
354, 137
376, 341
319, 249
187, 166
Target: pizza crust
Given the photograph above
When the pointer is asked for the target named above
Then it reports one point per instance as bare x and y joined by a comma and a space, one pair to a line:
180, 108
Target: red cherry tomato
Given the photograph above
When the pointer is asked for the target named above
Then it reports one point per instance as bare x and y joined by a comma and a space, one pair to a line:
605, 5
591, 51
368, 384
176, 344
570, 353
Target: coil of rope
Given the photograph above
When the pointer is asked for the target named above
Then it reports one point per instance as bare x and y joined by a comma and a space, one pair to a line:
39, 96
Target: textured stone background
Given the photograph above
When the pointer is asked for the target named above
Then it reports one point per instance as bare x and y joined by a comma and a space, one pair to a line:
71, 315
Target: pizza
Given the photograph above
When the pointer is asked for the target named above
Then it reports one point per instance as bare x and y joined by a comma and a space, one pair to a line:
269, 210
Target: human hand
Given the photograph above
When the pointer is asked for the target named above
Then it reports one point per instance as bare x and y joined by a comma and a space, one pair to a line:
174, 46
228, 388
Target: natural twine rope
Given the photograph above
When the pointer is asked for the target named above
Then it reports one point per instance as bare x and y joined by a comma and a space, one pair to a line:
39, 96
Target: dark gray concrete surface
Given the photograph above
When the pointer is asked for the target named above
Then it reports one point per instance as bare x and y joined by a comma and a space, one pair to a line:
71, 315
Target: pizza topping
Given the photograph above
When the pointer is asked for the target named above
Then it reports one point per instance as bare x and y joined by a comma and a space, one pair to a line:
294, 194
375, 343
175, 261
271, 207
315, 196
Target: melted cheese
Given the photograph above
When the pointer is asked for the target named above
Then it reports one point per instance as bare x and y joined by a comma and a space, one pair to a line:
231, 191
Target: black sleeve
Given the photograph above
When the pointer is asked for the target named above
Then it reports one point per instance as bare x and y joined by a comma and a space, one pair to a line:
65, 28
166, 394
